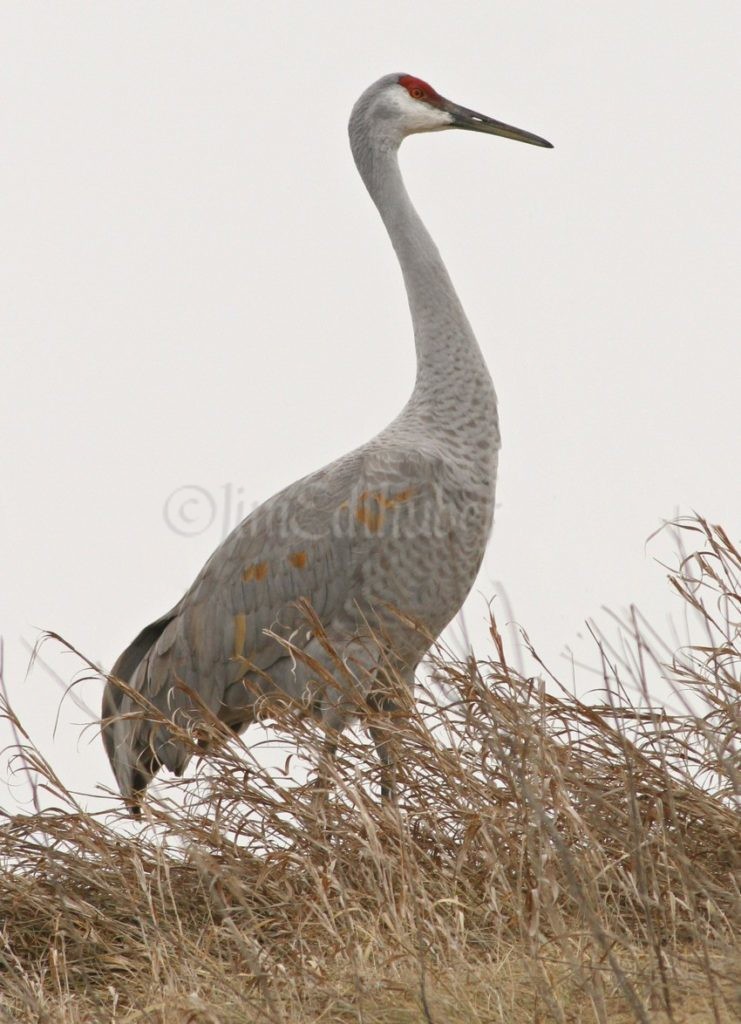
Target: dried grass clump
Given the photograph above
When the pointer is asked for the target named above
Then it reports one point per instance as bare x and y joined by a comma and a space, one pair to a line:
548, 860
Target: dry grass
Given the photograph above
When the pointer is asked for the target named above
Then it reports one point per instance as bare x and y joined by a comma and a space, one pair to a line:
548, 861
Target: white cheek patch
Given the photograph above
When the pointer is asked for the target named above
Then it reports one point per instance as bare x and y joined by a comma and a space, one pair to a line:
418, 116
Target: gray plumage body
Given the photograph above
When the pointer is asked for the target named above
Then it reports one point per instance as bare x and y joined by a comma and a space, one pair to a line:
384, 543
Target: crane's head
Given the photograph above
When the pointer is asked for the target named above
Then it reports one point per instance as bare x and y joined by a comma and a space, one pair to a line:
400, 105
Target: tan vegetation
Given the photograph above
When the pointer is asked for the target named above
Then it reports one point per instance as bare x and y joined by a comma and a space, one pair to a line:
548, 860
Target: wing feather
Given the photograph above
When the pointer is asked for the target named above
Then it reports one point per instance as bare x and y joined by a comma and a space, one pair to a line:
312, 541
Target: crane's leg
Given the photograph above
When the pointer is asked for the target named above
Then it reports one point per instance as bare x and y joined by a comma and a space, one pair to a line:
384, 738
387, 756
323, 781
332, 710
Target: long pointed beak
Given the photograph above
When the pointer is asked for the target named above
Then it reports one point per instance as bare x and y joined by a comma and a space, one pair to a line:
473, 122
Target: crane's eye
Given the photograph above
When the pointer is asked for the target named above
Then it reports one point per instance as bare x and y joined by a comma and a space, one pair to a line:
416, 93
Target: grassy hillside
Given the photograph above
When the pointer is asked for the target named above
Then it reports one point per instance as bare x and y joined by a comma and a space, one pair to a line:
549, 860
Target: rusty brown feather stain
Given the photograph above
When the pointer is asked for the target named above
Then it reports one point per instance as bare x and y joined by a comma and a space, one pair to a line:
372, 507
256, 572
298, 559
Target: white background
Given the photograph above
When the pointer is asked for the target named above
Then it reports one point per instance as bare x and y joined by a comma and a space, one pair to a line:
197, 291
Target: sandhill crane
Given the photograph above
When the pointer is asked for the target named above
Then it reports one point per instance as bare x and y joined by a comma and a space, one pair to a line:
383, 544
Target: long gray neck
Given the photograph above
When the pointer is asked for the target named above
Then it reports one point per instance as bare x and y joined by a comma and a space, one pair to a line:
451, 372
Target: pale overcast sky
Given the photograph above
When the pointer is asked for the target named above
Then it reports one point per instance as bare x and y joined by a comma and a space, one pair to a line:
198, 293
